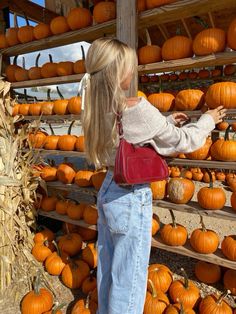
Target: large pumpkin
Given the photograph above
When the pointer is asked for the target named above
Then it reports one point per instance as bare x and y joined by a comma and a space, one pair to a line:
211, 197
201, 153
79, 18
149, 53
221, 94
184, 291
104, 11
180, 190
209, 41
231, 35
177, 47
204, 241
224, 148
161, 277
162, 101
189, 99
228, 247
174, 234
213, 304
38, 301
207, 272
156, 301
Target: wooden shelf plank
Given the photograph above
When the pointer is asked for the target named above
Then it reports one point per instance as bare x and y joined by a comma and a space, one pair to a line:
73, 188
193, 208
181, 10
56, 216
189, 63
230, 165
86, 34
217, 258
198, 113
75, 78
53, 118
44, 152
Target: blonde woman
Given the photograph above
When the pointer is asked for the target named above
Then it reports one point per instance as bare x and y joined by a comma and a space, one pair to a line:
125, 212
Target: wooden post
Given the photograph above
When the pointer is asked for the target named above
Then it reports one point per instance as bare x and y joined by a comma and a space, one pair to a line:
127, 32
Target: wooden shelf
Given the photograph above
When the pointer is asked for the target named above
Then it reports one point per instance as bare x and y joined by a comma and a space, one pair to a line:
75, 78
230, 165
53, 118
56, 216
90, 191
86, 34
198, 113
217, 258
181, 10
193, 208
44, 152
189, 63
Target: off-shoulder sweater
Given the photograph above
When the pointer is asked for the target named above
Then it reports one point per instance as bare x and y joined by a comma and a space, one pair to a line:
143, 123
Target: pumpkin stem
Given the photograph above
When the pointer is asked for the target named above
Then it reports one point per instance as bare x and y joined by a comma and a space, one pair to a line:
83, 53
186, 281
79, 3
50, 58
57, 307
15, 60
25, 95
224, 295
36, 284
226, 138
15, 21
57, 248
59, 93
211, 179
201, 22
70, 127
173, 218
37, 60
51, 129
149, 43
23, 62
67, 228
178, 31
202, 224
182, 311
26, 19
48, 94
160, 85
154, 292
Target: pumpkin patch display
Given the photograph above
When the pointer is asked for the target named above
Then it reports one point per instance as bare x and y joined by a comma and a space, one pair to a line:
204, 241
174, 234
221, 94
161, 277
149, 53
215, 305
184, 291
156, 301
180, 190
207, 272
177, 47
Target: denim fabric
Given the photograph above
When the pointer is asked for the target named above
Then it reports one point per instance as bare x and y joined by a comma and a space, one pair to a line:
124, 242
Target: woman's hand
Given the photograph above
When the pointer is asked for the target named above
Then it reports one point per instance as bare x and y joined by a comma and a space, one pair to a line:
217, 114
180, 117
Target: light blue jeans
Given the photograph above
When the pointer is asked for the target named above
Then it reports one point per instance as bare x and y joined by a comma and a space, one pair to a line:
124, 243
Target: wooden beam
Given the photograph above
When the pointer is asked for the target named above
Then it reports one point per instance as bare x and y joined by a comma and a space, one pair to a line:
32, 10
181, 10
127, 31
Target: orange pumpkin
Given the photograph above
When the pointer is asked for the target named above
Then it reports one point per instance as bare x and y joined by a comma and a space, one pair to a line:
70, 243
49, 173
90, 215
75, 211
178, 308
222, 126
35, 109
60, 106
207, 272
51, 141
215, 305
79, 18
44, 235
79, 65
37, 139
189, 99
48, 203
233, 200
62, 207
25, 33
84, 306
104, 11
54, 264
34, 73
74, 274
83, 178
180, 190
98, 178
211, 198
89, 284
21, 74
3, 41
149, 53
49, 69
87, 234
65, 68
230, 280
65, 173
221, 94
157, 3
59, 25
229, 69
177, 47
156, 224
41, 30
228, 247
158, 189
161, 277
231, 33
89, 255
10, 70
162, 101
41, 251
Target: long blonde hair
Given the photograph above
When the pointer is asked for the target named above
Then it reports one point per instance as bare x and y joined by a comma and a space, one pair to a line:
109, 62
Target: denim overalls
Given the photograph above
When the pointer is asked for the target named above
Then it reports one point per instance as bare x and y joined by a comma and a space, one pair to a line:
124, 242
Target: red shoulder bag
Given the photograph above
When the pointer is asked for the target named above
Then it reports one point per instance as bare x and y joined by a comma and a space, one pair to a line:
137, 164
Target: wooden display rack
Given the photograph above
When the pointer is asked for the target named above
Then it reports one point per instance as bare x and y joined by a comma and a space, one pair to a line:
126, 28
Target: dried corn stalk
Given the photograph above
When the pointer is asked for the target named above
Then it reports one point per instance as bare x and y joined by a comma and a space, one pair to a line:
17, 213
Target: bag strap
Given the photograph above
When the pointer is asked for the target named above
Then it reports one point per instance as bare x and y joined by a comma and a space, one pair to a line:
119, 124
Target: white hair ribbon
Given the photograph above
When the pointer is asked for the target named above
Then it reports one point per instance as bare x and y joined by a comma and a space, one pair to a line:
82, 89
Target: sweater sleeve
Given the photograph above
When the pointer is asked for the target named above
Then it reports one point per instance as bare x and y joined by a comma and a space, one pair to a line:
144, 123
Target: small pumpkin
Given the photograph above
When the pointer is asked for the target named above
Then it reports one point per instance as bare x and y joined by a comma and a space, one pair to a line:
51, 141
41, 251
47, 106
83, 178
70, 243
162, 101
35, 109
39, 300
37, 139
174, 234
59, 25
161, 277
222, 126
49, 173
60, 106
156, 224
21, 74
75, 211
215, 305
25, 33
67, 142
41, 31
90, 215
158, 189
62, 206
104, 11
44, 235
233, 200
180, 190
65, 68
85, 306
49, 69
178, 308
74, 105
156, 301
65, 173
48, 203
10, 70
229, 69
79, 65
54, 264
11, 33
204, 241
34, 73
230, 281
79, 18
74, 274
207, 272
89, 284
98, 178
90, 255
149, 53
184, 291
228, 247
